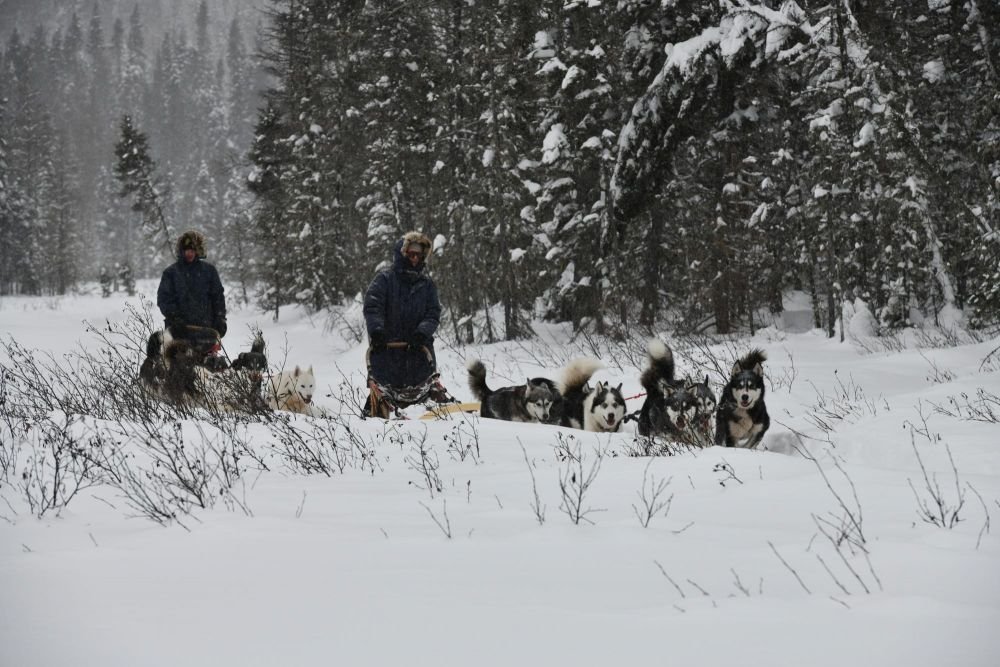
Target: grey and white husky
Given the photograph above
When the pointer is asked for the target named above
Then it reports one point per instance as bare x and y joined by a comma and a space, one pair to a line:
537, 400
600, 408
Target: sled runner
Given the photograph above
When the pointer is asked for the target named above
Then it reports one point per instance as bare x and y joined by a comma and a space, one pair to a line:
387, 401
446, 411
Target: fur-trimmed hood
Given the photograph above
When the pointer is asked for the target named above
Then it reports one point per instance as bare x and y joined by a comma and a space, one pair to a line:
191, 239
416, 241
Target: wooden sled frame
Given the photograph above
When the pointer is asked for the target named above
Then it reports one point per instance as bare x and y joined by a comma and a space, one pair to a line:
384, 406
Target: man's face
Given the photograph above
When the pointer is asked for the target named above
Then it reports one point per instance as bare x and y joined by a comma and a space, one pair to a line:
189, 255
414, 257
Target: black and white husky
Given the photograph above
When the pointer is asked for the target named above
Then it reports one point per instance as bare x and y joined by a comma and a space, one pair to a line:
154, 369
601, 408
742, 418
658, 381
168, 371
537, 400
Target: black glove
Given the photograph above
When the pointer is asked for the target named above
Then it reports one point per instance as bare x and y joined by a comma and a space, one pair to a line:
221, 327
377, 339
418, 341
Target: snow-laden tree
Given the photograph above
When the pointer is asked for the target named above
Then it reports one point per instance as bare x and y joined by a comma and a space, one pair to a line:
137, 172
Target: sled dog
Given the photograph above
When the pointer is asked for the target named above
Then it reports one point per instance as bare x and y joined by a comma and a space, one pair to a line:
180, 379
658, 381
742, 417
536, 401
153, 370
292, 391
705, 398
254, 361
237, 386
601, 408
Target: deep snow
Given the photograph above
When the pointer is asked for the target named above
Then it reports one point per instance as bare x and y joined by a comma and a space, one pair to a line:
354, 569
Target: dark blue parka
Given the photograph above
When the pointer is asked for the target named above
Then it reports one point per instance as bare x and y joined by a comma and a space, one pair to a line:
191, 294
401, 301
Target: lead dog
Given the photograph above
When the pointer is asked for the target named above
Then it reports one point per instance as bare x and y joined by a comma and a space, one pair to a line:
742, 418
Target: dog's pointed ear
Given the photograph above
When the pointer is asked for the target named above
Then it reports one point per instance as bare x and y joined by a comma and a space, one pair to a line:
736, 369
759, 369
619, 387
687, 382
706, 380
310, 369
296, 372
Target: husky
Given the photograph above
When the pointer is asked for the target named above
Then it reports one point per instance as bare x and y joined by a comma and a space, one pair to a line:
536, 401
601, 408
659, 382
292, 391
237, 386
153, 370
742, 416
180, 379
680, 408
254, 361
705, 398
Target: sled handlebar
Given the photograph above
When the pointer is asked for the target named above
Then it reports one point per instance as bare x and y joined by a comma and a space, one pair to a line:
397, 345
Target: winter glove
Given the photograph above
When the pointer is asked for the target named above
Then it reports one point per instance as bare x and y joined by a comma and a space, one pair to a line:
417, 342
221, 327
377, 339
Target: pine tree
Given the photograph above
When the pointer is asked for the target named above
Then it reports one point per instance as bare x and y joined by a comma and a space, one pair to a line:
136, 171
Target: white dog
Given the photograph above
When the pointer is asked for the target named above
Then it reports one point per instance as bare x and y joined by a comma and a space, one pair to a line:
293, 391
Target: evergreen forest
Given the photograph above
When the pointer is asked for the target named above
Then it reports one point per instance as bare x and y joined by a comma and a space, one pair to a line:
615, 164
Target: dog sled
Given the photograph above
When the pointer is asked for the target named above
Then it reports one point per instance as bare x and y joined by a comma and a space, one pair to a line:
196, 369
388, 401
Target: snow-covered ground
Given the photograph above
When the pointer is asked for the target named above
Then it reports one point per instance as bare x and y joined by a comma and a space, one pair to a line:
811, 551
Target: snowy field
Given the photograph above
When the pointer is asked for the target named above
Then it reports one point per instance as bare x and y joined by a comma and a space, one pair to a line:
452, 543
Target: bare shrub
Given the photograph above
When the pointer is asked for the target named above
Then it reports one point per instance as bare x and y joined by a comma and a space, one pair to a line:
937, 375
983, 407
651, 501
424, 461
935, 506
728, 472
536, 502
52, 470
848, 404
462, 440
576, 478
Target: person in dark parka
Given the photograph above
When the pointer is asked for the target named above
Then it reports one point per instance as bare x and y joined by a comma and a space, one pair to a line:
190, 292
402, 305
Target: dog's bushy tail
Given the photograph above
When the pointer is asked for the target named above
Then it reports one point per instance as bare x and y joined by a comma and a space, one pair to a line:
477, 379
752, 359
257, 347
154, 344
577, 373
661, 366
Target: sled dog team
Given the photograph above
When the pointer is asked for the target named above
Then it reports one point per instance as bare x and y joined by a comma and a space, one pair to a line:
176, 370
679, 409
